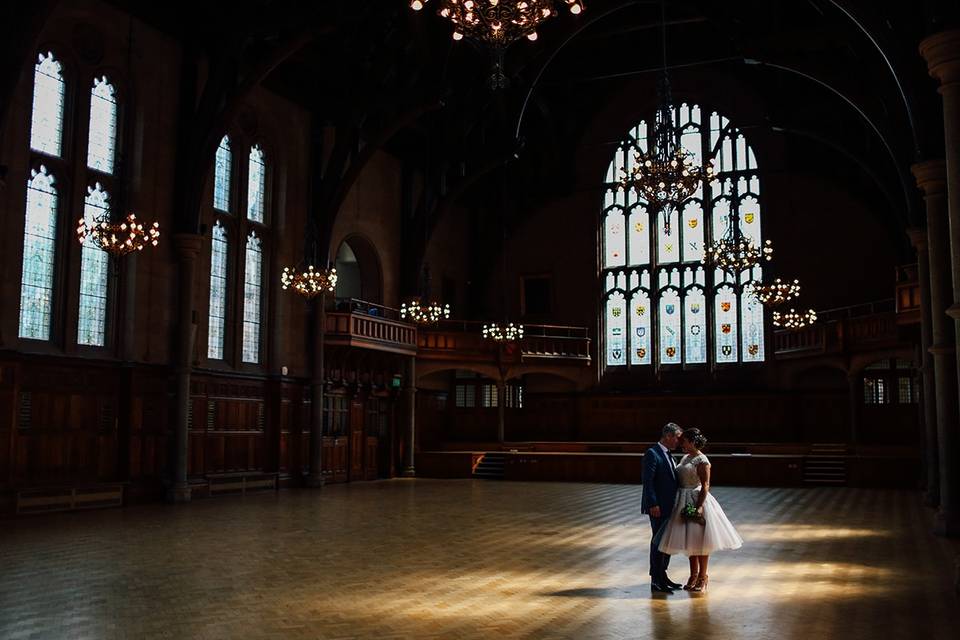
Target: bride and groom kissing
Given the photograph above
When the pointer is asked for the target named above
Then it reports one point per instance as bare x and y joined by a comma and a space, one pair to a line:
684, 516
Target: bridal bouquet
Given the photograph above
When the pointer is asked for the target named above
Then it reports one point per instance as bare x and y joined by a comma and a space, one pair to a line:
689, 513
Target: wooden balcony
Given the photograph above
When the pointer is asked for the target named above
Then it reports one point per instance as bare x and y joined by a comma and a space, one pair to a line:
355, 323
851, 329
546, 344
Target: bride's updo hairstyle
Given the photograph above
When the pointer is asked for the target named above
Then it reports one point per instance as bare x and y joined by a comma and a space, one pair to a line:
695, 437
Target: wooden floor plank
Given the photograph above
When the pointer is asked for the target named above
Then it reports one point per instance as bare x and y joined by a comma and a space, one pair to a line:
474, 559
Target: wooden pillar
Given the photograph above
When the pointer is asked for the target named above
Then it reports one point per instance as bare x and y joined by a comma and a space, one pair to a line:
187, 246
928, 409
319, 378
501, 409
410, 396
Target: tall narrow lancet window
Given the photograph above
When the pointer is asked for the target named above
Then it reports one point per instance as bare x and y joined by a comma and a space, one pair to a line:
102, 144
49, 92
252, 299
222, 174
256, 184
218, 293
661, 306
39, 254
94, 274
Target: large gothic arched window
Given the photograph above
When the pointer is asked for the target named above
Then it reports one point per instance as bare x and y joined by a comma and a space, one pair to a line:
661, 306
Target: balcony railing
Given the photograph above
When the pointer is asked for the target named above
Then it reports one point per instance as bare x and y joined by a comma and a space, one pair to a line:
367, 325
856, 328
464, 341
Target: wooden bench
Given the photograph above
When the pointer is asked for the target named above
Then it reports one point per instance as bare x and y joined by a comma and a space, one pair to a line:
241, 482
49, 499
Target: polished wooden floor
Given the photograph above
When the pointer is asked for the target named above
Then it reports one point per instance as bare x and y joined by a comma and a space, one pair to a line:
473, 559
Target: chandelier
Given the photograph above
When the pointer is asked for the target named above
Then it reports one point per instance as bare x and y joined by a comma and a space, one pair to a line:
776, 293
735, 253
793, 319
503, 333
421, 312
666, 175
118, 238
498, 23
309, 282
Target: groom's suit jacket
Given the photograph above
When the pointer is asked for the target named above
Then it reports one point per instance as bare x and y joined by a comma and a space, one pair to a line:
659, 481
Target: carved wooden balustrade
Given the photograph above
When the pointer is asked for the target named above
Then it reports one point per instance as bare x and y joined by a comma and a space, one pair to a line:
860, 328
356, 323
463, 341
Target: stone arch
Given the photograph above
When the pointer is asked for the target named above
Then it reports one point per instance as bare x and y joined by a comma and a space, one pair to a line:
359, 272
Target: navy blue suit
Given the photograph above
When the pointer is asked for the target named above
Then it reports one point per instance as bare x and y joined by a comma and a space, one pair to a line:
659, 490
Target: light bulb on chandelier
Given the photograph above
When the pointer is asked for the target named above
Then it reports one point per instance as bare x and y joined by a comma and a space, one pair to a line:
498, 23
776, 293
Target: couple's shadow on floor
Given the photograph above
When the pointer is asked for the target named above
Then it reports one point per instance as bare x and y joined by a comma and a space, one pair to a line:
633, 592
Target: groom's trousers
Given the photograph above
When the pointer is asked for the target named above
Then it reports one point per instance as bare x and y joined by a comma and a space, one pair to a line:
658, 561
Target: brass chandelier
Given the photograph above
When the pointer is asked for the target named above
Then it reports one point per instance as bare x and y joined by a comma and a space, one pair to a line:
309, 282
794, 319
422, 312
507, 332
734, 253
118, 238
497, 23
666, 175
776, 293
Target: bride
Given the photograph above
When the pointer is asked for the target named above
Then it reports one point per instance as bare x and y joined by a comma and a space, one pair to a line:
697, 526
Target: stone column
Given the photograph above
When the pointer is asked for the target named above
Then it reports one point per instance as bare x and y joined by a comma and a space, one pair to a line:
410, 396
501, 408
918, 238
187, 246
319, 378
931, 178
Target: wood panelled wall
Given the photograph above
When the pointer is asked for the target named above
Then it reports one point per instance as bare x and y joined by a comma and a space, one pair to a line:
66, 421
769, 417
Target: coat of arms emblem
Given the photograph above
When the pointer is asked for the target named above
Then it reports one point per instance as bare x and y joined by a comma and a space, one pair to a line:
753, 349
725, 306
692, 223
725, 327
641, 331
748, 218
670, 309
641, 353
726, 350
671, 352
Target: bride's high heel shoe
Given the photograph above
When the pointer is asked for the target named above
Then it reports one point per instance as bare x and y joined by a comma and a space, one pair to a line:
690, 583
701, 584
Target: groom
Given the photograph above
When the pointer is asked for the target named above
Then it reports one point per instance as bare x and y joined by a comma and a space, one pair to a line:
659, 492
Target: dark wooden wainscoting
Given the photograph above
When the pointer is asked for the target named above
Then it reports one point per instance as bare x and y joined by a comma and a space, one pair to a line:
69, 421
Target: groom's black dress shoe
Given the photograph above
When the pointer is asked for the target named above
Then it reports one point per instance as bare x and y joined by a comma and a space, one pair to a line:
670, 583
657, 587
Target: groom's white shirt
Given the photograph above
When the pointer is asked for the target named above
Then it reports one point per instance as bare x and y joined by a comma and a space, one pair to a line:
666, 452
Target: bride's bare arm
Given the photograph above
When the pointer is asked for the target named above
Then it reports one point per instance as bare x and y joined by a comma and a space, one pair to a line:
703, 470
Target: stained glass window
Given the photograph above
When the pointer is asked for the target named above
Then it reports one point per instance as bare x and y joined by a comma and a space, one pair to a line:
725, 314
692, 315
49, 90
616, 329
102, 142
222, 171
217, 313
94, 272
39, 252
256, 184
251, 299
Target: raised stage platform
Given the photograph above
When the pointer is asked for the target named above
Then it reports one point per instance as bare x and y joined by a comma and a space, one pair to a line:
734, 464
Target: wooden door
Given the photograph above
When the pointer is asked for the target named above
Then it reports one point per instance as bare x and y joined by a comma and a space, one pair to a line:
357, 441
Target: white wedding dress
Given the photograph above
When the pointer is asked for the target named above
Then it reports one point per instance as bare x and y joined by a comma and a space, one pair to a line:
691, 538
